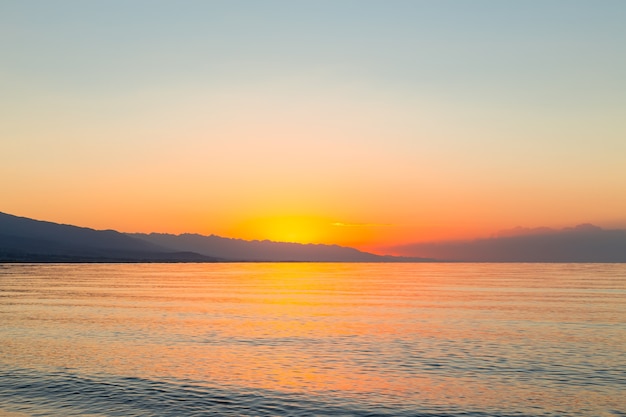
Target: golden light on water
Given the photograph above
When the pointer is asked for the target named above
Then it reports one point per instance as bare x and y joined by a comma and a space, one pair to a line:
399, 336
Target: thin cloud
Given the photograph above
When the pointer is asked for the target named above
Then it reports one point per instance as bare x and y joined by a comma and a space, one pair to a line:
341, 224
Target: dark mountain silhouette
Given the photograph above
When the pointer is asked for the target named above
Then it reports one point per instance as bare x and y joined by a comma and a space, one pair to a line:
27, 240
266, 251
583, 243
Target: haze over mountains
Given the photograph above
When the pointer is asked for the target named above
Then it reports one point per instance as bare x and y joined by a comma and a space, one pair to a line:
265, 251
583, 243
28, 240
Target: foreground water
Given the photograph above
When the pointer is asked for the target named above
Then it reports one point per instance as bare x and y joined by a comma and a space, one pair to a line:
313, 340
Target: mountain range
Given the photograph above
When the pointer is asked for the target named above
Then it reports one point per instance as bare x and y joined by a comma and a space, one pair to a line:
27, 240
582, 243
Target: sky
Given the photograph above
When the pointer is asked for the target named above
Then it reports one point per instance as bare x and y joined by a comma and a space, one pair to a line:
361, 123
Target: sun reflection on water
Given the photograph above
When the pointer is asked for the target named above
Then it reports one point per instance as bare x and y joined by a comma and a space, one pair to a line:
414, 334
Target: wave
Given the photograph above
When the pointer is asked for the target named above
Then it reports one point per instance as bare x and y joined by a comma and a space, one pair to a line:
62, 392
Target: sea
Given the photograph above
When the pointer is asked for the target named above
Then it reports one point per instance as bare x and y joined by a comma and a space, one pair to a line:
313, 339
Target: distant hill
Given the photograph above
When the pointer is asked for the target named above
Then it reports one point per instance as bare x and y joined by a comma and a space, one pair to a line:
583, 243
28, 240
266, 251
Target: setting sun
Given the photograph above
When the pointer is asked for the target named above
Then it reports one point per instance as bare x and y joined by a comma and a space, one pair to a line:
299, 229
315, 229
314, 207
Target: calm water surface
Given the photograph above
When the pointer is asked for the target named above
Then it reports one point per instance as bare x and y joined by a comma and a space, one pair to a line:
313, 340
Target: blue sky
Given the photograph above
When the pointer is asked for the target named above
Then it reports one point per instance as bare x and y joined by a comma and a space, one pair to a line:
488, 100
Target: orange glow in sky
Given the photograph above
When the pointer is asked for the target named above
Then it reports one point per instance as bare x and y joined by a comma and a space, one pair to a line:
388, 126
313, 229
285, 229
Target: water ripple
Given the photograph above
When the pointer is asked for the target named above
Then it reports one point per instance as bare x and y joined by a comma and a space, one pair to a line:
64, 393
313, 340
